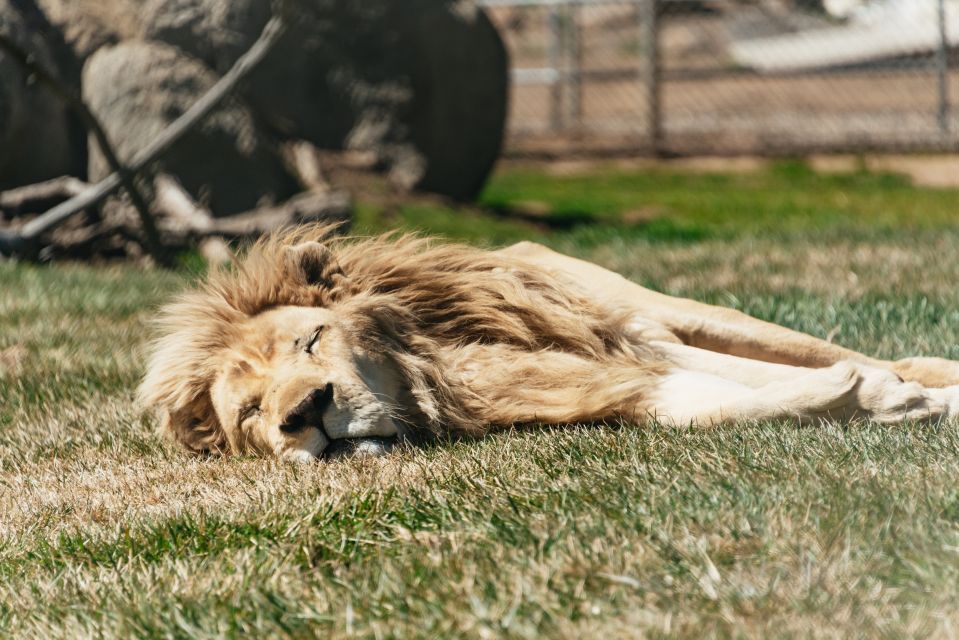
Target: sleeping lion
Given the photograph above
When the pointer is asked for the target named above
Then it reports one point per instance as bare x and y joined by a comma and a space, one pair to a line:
314, 345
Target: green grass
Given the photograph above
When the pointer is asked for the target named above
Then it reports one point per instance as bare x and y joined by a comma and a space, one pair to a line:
751, 530
591, 208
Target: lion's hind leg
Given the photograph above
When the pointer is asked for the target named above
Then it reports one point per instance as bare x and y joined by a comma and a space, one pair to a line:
694, 397
844, 391
719, 329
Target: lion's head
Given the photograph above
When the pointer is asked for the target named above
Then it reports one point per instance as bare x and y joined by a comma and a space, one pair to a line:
309, 340
298, 378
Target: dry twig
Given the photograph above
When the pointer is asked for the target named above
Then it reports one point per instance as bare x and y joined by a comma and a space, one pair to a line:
32, 197
26, 239
73, 100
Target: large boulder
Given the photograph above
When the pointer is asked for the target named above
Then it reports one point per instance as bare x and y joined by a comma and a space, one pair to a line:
87, 25
137, 88
460, 73
12, 102
35, 133
423, 83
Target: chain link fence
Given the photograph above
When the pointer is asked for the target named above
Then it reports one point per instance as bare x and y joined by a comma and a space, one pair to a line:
690, 77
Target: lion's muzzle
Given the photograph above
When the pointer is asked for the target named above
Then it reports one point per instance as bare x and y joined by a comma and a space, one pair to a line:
309, 412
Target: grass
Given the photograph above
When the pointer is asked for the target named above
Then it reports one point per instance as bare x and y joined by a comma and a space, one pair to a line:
612, 203
751, 530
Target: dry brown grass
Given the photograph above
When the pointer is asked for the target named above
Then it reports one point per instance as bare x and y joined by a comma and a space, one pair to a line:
617, 531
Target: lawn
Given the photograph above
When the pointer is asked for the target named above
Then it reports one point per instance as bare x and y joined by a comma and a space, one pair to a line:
751, 530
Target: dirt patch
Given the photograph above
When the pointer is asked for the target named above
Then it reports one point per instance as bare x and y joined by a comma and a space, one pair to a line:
937, 171
934, 171
699, 164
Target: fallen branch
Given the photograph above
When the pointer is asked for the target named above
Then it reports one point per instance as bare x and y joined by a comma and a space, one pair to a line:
35, 197
184, 219
303, 160
92, 125
306, 207
181, 211
183, 216
27, 238
183, 224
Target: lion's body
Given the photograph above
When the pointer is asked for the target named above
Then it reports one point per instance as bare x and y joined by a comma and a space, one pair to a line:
402, 334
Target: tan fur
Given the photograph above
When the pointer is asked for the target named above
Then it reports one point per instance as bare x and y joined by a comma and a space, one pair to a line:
402, 333
719, 329
480, 340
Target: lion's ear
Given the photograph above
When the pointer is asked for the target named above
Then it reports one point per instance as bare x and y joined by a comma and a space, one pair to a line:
195, 428
314, 265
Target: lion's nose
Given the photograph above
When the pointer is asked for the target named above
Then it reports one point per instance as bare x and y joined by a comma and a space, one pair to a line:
309, 412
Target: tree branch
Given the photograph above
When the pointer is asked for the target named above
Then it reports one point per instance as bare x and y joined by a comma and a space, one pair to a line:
29, 235
73, 100
31, 198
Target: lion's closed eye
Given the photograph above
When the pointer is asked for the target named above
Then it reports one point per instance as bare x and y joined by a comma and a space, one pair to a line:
311, 341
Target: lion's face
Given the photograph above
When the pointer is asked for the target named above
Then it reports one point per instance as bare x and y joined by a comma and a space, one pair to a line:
297, 379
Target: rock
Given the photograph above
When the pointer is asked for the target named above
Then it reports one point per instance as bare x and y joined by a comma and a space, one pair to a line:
35, 134
137, 89
12, 108
423, 83
214, 31
459, 128
87, 25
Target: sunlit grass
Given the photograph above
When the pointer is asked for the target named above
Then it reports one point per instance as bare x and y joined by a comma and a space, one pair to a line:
604, 531
606, 202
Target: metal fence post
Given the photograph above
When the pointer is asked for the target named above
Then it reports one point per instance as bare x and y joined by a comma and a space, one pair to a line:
943, 60
555, 63
649, 72
575, 54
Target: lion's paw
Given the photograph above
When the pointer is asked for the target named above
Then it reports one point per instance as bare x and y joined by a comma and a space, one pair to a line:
884, 397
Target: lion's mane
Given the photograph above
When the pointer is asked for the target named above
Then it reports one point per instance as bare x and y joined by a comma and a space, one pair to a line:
482, 340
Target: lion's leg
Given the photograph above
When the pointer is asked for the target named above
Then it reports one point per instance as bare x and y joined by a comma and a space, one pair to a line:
742, 371
704, 399
719, 329
878, 394
846, 390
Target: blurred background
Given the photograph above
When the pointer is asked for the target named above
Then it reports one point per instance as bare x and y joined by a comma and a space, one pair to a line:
385, 113
728, 77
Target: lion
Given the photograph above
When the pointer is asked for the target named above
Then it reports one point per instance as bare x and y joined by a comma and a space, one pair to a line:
312, 345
